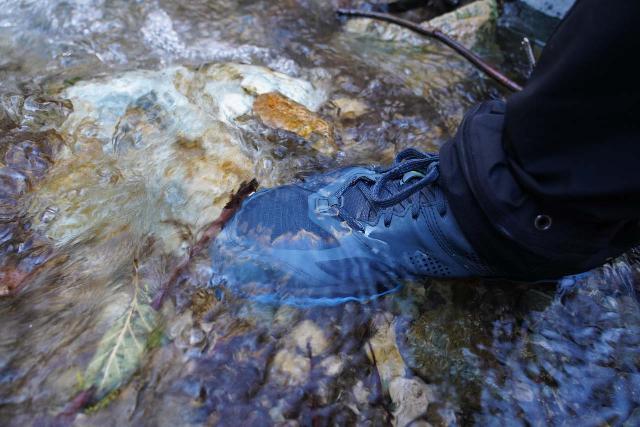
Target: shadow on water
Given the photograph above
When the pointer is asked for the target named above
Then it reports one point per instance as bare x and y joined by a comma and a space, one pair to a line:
125, 129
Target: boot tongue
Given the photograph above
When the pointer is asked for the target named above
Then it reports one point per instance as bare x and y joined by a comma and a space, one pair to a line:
359, 207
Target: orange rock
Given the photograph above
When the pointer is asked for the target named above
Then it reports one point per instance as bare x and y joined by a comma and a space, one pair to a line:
277, 111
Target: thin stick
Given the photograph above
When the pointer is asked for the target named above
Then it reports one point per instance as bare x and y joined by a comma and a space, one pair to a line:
71, 409
209, 234
438, 35
528, 50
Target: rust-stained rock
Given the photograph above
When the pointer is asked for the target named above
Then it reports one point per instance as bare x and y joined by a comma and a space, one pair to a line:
277, 111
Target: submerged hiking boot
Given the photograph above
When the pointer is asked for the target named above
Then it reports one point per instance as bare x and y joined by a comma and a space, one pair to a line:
351, 234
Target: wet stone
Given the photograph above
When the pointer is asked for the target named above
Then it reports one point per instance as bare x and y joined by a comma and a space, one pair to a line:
10, 110
411, 397
472, 25
360, 393
308, 337
349, 108
401, 52
39, 112
292, 364
10, 279
172, 135
332, 365
196, 337
277, 111
158, 138
12, 185
389, 361
27, 157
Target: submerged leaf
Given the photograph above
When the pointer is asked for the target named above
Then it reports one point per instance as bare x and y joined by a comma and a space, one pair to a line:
121, 349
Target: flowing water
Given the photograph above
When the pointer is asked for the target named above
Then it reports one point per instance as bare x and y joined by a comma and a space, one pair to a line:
125, 126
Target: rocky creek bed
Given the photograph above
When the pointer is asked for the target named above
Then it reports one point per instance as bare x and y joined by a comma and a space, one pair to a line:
125, 129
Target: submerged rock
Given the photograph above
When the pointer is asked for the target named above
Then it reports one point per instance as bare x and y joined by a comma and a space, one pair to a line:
471, 25
388, 359
411, 397
426, 66
146, 159
308, 337
292, 364
290, 368
278, 111
156, 151
350, 108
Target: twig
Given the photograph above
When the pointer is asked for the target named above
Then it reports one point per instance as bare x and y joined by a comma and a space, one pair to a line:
528, 50
438, 35
71, 409
209, 234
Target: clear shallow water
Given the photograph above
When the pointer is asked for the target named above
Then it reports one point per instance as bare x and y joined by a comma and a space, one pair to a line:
103, 188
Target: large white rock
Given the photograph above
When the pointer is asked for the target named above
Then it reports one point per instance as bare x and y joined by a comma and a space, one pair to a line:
155, 152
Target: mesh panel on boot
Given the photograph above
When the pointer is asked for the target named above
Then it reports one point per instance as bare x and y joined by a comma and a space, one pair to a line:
426, 264
354, 202
283, 211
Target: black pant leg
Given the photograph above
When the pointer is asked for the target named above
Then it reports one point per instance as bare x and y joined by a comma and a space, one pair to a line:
573, 134
549, 184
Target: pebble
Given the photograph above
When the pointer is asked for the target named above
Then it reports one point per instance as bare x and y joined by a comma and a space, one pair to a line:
389, 361
308, 335
411, 398
196, 336
289, 368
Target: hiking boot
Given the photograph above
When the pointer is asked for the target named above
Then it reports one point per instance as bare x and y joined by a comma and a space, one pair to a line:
352, 234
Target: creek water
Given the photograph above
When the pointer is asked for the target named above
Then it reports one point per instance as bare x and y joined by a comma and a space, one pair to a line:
125, 128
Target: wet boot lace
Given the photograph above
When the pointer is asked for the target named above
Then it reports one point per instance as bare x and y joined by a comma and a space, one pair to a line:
413, 171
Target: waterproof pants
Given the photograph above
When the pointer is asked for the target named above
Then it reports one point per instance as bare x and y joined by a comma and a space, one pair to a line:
548, 182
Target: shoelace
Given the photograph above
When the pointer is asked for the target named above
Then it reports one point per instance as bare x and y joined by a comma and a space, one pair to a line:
410, 165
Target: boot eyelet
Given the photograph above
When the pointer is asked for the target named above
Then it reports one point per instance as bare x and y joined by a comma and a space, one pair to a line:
543, 222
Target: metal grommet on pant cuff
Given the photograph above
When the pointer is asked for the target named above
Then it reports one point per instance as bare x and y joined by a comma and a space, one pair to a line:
543, 222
